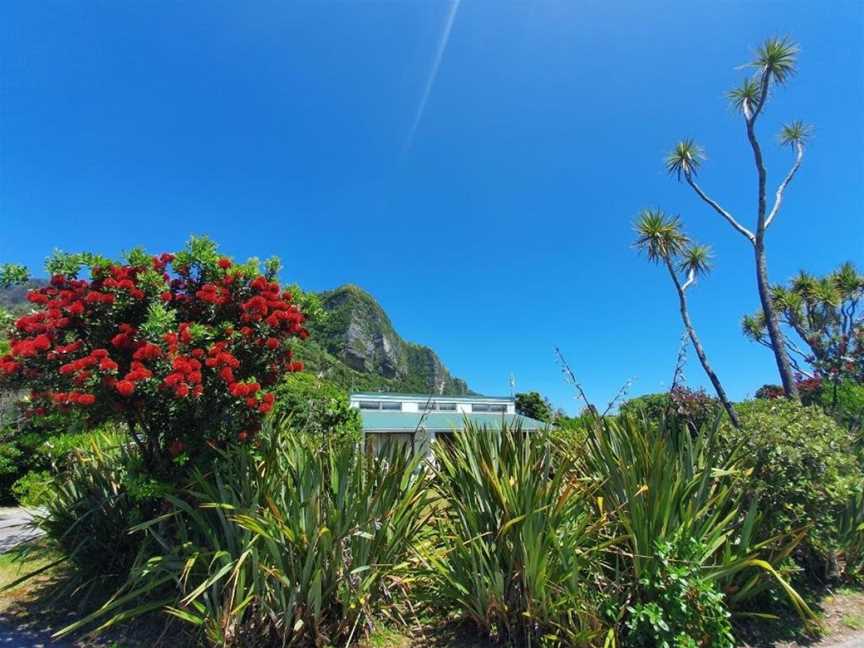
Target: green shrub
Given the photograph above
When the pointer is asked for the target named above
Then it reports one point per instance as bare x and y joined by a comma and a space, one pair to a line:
669, 491
298, 543
681, 406
845, 402
316, 406
519, 544
91, 509
681, 606
48, 455
851, 533
803, 471
34, 489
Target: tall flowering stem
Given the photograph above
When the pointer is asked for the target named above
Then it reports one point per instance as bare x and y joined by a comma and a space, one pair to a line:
185, 349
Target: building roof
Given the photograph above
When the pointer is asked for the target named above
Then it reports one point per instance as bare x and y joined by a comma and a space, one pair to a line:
384, 421
435, 397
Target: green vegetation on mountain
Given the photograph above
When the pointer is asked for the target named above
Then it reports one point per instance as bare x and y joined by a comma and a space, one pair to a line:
354, 344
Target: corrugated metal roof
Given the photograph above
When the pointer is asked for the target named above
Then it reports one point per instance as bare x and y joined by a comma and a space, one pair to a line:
383, 421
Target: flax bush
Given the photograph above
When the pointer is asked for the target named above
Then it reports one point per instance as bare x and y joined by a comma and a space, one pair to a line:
520, 543
295, 543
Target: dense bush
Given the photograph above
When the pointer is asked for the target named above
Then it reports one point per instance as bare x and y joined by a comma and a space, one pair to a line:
91, 508
851, 533
682, 606
803, 471
676, 499
293, 543
520, 545
534, 405
316, 406
184, 349
845, 402
29, 448
681, 405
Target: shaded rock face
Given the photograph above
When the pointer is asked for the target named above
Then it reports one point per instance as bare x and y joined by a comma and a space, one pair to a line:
359, 333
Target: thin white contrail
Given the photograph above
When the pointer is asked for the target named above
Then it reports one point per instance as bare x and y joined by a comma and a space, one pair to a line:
433, 73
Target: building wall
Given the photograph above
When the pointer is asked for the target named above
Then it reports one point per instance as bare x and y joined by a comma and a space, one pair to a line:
418, 404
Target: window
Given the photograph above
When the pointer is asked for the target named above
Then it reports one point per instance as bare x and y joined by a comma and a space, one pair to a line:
370, 405
390, 405
488, 407
433, 406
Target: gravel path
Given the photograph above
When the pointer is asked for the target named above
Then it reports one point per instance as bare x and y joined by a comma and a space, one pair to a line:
16, 526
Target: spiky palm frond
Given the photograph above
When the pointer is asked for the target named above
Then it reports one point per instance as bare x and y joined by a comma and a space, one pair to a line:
696, 259
847, 279
804, 284
786, 300
776, 58
794, 133
746, 95
659, 236
827, 293
753, 326
685, 159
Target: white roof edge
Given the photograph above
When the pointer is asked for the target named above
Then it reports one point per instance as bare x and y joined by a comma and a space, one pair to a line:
420, 398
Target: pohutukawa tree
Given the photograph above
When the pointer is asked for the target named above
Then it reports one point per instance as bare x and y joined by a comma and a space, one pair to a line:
662, 240
774, 65
185, 349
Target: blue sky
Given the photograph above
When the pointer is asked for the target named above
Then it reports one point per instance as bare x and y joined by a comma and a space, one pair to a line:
487, 206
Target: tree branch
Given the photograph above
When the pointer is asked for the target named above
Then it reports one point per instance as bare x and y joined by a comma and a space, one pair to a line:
763, 97
691, 279
725, 214
778, 199
757, 154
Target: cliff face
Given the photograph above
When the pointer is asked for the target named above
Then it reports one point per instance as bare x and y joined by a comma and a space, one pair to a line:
358, 332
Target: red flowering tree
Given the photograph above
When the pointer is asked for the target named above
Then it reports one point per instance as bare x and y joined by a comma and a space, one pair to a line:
185, 349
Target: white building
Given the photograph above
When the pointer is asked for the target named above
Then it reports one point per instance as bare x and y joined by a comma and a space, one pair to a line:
417, 419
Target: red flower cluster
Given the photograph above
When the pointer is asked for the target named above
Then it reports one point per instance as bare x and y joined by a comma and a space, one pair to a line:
124, 278
186, 376
73, 398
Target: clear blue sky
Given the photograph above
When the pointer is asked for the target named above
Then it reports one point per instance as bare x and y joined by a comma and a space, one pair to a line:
488, 207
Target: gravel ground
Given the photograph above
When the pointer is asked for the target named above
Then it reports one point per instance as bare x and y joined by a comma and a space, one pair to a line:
16, 526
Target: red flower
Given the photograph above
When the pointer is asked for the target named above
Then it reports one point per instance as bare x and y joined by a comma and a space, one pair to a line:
224, 263
42, 342
107, 364
125, 387
147, 351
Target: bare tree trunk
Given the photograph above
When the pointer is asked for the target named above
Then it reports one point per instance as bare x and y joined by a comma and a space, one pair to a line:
778, 343
700, 352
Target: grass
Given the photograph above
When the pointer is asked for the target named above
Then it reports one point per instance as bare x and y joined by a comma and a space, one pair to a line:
12, 568
853, 621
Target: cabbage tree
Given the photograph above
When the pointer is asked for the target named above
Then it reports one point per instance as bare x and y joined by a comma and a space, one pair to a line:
663, 241
774, 65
